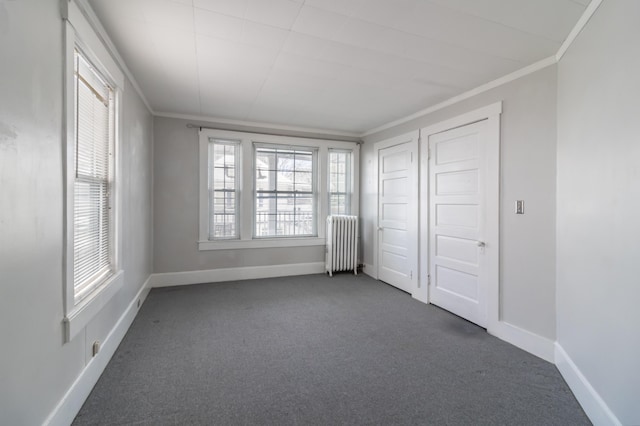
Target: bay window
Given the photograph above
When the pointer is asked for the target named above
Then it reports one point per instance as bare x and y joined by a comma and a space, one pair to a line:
260, 191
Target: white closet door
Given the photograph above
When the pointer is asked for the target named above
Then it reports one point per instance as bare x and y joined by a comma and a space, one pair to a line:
457, 211
398, 215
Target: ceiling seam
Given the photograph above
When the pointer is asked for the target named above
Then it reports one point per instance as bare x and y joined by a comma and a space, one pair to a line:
554, 59
589, 11
446, 43
443, 42
499, 23
264, 81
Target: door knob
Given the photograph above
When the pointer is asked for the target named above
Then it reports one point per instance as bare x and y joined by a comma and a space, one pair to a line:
481, 244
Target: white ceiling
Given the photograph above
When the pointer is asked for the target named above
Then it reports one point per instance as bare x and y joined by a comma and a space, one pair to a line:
341, 65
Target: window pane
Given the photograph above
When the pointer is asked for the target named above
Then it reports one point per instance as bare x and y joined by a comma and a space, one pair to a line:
266, 160
265, 181
229, 179
218, 174
223, 225
303, 181
284, 180
285, 161
304, 162
218, 155
223, 188
338, 204
229, 156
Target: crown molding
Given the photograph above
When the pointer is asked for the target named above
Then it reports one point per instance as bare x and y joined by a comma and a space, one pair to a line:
353, 137
582, 22
102, 33
95, 23
466, 95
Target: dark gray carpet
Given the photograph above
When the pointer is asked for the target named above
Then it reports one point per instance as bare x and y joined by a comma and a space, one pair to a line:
318, 350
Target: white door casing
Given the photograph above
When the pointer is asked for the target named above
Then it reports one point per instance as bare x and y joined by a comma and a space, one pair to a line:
397, 233
490, 116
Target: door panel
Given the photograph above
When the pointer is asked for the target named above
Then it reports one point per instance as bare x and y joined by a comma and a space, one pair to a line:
457, 174
457, 183
397, 215
460, 215
456, 249
458, 283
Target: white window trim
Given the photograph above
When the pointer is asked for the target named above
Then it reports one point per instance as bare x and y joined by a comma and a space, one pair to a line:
237, 184
79, 33
247, 205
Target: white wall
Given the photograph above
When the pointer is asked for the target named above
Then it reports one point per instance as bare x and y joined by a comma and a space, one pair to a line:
528, 164
598, 237
36, 366
176, 208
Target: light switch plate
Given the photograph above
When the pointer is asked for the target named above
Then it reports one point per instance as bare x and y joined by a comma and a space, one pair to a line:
519, 206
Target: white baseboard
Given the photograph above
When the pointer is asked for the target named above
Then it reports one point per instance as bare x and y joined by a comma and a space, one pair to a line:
70, 404
525, 340
370, 270
234, 274
593, 405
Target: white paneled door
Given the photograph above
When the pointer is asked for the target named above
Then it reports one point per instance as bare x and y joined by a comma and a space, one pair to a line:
398, 214
457, 210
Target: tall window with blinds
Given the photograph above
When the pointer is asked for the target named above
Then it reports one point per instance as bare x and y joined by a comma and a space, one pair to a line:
94, 145
285, 191
339, 182
223, 189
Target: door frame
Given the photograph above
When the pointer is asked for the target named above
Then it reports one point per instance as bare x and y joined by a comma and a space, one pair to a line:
491, 113
412, 137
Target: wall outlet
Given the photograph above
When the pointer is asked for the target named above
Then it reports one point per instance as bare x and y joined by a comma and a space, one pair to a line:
519, 206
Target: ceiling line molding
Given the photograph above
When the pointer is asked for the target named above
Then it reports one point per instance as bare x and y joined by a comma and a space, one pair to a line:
584, 19
466, 95
95, 23
582, 22
254, 124
102, 33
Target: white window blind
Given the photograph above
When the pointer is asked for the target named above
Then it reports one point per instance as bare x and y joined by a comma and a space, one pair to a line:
95, 131
339, 182
285, 197
223, 189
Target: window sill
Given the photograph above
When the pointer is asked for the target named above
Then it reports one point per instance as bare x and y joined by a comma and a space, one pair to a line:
260, 243
82, 313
